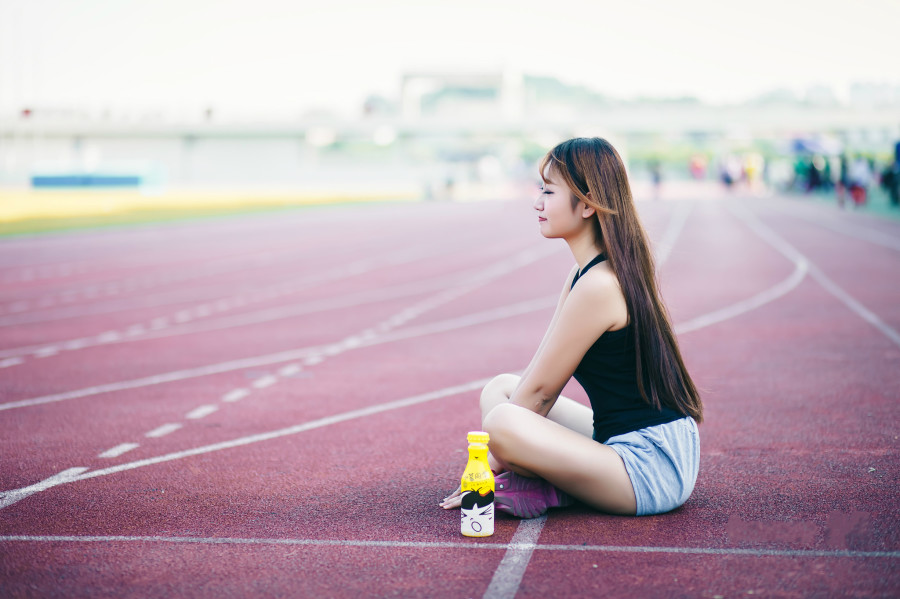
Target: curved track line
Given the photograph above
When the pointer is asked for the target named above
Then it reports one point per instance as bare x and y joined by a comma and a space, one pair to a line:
673, 231
801, 267
744, 306
853, 230
793, 254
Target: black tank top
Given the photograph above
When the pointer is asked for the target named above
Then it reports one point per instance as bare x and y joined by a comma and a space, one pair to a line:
608, 374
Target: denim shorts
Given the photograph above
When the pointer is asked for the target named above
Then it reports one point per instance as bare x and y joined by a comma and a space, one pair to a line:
662, 462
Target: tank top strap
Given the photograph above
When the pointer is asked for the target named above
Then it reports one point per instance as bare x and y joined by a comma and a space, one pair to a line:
600, 258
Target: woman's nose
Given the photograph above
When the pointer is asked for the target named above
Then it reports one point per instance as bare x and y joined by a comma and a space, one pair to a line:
539, 202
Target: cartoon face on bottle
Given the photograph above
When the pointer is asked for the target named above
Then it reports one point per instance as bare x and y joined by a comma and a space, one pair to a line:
477, 514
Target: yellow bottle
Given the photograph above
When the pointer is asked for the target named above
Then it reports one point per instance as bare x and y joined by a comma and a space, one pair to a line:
477, 489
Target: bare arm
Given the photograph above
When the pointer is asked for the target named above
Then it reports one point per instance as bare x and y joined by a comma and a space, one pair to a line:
559, 305
593, 307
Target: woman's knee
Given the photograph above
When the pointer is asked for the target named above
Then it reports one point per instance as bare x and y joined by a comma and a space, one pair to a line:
497, 391
504, 425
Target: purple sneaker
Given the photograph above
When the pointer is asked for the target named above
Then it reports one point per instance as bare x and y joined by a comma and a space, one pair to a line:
526, 497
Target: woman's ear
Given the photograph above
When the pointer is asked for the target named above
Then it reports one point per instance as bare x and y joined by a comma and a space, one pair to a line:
587, 211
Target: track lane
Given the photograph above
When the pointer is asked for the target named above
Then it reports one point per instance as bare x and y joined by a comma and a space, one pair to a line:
743, 373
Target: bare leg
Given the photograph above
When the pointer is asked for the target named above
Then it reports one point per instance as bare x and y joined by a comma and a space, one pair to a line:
567, 412
559, 449
530, 444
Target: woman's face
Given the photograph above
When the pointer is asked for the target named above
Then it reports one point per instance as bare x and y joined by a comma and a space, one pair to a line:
556, 217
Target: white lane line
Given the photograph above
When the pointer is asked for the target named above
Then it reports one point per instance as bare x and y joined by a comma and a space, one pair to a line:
848, 229
118, 450
805, 553
201, 412
363, 266
854, 305
290, 355
264, 381
260, 437
743, 306
508, 575
159, 327
46, 352
76, 344
792, 253
290, 370
10, 362
313, 355
109, 337
672, 232
11, 497
235, 395
164, 430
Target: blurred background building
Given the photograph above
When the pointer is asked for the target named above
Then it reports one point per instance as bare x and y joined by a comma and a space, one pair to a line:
454, 126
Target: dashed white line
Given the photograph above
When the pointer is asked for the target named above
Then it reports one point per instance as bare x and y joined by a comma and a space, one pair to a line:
118, 450
46, 352
290, 370
135, 329
304, 353
15, 495
10, 362
235, 395
108, 337
265, 381
201, 412
164, 430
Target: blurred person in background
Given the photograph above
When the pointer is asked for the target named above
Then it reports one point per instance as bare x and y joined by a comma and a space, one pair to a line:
860, 177
656, 177
890, 177
697, 167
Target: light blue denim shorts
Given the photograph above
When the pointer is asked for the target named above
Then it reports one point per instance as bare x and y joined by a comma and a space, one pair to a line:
662, 462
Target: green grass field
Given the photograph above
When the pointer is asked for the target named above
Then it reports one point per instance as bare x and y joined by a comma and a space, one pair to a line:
28, 212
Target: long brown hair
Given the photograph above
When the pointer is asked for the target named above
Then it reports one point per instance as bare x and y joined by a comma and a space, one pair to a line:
594, 172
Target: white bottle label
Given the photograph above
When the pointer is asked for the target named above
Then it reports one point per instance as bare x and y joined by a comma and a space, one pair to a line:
477, 514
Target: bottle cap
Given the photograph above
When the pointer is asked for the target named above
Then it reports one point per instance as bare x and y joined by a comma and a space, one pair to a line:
478, 437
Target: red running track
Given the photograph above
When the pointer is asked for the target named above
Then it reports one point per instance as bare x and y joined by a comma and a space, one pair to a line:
275, 404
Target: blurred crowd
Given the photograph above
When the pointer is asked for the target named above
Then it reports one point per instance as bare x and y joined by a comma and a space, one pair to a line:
850, 177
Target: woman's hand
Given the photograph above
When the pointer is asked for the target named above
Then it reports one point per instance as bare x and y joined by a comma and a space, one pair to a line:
453, 500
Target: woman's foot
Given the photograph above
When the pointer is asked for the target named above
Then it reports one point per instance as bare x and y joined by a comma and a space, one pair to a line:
526, 497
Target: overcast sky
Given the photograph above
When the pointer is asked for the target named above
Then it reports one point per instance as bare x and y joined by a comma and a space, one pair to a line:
287, 56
